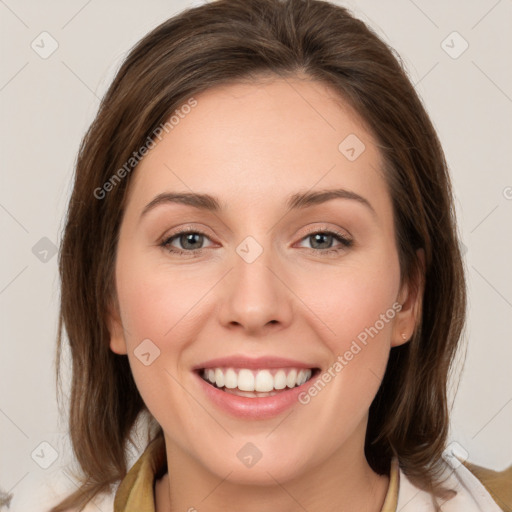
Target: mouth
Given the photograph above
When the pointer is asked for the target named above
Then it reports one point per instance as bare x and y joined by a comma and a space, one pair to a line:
256, 383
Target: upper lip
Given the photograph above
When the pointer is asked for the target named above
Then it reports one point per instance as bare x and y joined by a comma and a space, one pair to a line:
240, 361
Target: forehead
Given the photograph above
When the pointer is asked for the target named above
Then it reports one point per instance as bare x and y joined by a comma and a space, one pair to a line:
253, 143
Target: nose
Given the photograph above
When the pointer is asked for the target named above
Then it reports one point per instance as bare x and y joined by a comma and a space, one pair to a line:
255, 296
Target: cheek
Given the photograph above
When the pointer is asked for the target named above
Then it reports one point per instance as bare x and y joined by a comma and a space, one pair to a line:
155, 308
340, 398
155, 302
353, 301
356, 309
156, 312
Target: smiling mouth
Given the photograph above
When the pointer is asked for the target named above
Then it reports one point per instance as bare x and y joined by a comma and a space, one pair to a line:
257, 383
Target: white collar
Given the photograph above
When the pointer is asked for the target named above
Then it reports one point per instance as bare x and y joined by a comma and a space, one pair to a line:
471, 496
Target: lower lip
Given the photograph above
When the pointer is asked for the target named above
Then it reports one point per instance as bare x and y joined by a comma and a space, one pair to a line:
258, 408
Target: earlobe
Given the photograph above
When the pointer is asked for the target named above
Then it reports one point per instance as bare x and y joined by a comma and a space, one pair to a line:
118, 345
116, 331
410, 298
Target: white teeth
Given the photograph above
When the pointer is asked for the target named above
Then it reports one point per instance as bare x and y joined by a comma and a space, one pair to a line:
219, 378
264, 381
258, 381
245, 380
280, 380
230, 379
291, 379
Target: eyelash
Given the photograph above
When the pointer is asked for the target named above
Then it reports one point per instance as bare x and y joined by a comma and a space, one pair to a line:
344, 241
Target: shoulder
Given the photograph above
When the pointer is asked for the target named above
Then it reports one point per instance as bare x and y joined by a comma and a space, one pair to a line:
497, 483
476, 489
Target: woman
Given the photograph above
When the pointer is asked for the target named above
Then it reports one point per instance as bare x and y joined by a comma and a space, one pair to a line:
260, 262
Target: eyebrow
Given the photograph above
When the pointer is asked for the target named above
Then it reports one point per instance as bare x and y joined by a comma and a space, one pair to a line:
296, 201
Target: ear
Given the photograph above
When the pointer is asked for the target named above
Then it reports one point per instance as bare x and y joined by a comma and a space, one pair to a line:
115, 329
411, 299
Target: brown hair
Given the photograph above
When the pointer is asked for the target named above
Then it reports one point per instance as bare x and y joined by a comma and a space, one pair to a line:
240, 40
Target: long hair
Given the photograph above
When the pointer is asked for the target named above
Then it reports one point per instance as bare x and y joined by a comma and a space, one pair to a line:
229, 41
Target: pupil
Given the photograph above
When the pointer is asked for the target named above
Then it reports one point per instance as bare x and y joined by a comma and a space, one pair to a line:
189, 240
318, 238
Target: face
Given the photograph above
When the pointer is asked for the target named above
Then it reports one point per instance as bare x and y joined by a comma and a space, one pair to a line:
262, 285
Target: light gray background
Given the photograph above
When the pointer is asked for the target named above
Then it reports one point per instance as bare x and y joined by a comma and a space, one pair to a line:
47, 104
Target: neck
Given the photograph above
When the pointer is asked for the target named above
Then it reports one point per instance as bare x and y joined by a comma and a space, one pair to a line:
344, 481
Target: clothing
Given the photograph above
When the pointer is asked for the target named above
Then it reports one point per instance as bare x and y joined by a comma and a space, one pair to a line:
136, 491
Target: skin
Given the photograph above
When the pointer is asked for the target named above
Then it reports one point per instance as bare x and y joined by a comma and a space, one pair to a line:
252, 146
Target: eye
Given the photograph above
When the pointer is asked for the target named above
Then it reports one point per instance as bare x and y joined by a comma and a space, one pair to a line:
188, 241
322, 241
